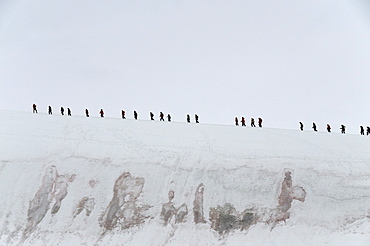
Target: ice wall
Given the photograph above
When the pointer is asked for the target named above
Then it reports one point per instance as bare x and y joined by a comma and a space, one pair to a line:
92, 181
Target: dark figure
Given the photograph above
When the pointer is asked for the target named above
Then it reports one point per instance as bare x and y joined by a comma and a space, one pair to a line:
343, 129
123, 114
260, 122
314, 127
161, 116
34, 108
196, 118
301, 126
101, 113
236, 121
151, 116
87, 112
69, 112
188, 118
367, 130
362, 131
169, 118
328, 127
62, 110
252, 122
135, 115
50, 111
243, 121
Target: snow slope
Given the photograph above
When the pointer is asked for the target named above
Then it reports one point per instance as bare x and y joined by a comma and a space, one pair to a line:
93, 181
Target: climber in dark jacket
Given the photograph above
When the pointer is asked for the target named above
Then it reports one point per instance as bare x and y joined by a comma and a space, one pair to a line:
34, 108
260, 122
328, 127
196, 118
362, 131
314, 127
343, 129
252, 122
243, 121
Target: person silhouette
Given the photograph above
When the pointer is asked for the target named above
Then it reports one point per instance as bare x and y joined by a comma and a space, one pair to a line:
252, 122
260, 122
362, 131
314, 127
328, 127
34, 108
243, 121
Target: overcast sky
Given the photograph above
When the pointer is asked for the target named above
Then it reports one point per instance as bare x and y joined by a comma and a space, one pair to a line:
284, 61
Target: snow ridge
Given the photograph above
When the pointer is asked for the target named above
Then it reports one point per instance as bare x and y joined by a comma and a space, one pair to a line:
92, 181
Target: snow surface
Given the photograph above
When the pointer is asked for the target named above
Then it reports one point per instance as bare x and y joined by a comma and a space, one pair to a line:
93, 181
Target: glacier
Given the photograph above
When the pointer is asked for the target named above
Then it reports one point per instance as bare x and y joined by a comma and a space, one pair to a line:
107, 181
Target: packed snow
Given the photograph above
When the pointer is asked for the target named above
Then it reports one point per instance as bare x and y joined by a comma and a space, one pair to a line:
107, 181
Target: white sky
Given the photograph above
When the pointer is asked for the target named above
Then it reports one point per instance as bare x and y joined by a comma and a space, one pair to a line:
284, 61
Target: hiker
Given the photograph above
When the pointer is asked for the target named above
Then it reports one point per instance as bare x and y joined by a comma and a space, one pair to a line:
62, 110
362, 131
328, 127
135, 115
161, 116
101, 113
260, 122
367, 130
188, 118
123, 114
243, 121
34, 108
69, 112
169, 118
343, 129
87, 112
236, 121
314, 127
151, 116
301, 126
252, 122
196, 118
50, 111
